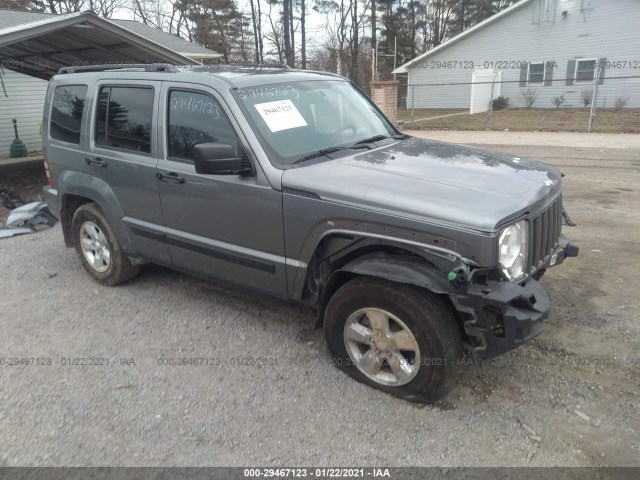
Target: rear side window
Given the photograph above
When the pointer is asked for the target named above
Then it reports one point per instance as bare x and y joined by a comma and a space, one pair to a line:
124, 118
66, 113
196, 118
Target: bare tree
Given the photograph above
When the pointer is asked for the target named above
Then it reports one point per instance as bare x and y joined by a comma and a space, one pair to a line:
106, 8
303, 33
276, 31
355, 43
287, 17
374, 28
167, 15
256, 21
440, 14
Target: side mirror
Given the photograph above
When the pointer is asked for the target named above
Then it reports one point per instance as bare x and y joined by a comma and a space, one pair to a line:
218, 159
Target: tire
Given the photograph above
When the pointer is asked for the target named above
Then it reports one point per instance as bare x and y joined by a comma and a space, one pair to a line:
361, 324
99, 250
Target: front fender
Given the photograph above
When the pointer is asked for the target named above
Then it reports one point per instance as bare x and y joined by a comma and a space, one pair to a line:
401, 269
431, 274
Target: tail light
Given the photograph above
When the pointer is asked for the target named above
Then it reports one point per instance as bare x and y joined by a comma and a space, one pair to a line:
46, 166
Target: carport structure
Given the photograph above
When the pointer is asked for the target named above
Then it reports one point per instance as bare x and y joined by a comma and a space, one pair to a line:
40, 48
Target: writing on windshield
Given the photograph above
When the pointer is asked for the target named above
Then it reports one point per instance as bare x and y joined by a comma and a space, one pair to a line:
296, 119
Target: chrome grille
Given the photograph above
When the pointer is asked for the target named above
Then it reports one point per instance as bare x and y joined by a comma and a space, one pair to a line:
544, 231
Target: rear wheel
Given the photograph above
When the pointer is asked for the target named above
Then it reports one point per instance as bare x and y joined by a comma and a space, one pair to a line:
101, 253
396, 338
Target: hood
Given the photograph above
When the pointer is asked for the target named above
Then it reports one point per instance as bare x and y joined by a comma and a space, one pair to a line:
432, 181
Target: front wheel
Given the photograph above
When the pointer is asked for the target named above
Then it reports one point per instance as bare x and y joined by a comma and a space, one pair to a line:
101, 253
396, 338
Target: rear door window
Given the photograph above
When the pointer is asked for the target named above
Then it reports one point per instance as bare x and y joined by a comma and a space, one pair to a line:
66, 113
124, 118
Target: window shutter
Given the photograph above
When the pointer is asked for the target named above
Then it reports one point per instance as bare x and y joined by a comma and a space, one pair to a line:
523, 74
603, 64
548, 73
571, 71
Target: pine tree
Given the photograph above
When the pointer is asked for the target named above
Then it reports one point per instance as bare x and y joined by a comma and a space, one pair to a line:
218, 26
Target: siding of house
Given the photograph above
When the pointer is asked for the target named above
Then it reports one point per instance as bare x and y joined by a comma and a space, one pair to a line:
24, 103
605, 29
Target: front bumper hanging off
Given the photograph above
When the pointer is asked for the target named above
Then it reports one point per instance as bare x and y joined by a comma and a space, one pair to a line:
503, 315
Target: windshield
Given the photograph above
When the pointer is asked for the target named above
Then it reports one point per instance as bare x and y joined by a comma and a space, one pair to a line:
293, 120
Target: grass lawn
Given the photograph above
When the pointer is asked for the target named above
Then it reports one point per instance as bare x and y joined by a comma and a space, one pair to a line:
525, 120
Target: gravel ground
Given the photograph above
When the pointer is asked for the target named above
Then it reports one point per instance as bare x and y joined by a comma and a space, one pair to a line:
571, 397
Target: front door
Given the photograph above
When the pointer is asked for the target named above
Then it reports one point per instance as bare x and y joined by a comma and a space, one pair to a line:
225, 226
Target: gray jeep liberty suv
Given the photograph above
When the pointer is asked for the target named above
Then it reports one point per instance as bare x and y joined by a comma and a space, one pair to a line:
294, 184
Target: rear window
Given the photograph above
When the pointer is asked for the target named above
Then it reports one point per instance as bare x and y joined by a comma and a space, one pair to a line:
124, 118
66, 113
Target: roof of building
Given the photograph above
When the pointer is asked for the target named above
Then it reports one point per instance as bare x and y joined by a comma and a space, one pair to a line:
38, 44
169, 40
470, 31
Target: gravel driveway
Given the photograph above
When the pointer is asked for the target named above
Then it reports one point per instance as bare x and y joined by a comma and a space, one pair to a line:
262, 391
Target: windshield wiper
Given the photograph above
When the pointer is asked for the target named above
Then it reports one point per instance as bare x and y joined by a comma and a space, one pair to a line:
356, 146
377, 138
327, 151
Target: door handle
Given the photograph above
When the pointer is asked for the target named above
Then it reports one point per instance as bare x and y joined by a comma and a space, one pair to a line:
171, 177
98, 162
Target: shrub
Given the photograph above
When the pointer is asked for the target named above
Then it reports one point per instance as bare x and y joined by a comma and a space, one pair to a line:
529, 97
558, 101
621, 102
500, 103
587, 96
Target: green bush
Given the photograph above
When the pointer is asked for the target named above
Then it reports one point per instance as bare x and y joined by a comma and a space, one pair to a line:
500, 103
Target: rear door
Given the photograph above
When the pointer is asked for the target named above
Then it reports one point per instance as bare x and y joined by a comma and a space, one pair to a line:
225, 226
123, 154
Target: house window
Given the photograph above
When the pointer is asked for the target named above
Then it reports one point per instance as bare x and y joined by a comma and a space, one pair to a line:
66, 113
585, 70
535, 75
124, 118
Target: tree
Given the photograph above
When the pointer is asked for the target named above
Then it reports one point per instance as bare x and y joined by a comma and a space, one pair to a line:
55, 7
471, 12
440, 16
276, 31
106, 8
167, 15
288, 29
374, 28
256, 21
218, 26
303, 34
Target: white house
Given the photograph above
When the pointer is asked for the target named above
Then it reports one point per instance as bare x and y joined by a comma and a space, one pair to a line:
557, 48
34, 45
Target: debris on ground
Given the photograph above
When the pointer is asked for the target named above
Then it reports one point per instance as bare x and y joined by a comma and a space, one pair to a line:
28, 218
10, 199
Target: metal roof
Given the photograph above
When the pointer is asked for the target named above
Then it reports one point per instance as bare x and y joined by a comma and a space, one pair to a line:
39, 44
175, 43
12, 18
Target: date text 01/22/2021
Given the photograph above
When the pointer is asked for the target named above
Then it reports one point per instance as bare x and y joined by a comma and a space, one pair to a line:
317, 472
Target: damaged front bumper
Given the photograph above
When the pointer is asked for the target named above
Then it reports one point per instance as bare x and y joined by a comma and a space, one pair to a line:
502, 315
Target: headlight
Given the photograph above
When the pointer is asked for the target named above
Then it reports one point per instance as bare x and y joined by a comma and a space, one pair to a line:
512, 245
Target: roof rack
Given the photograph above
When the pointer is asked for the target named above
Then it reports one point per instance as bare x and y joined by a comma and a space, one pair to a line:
146, 67
257, 65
